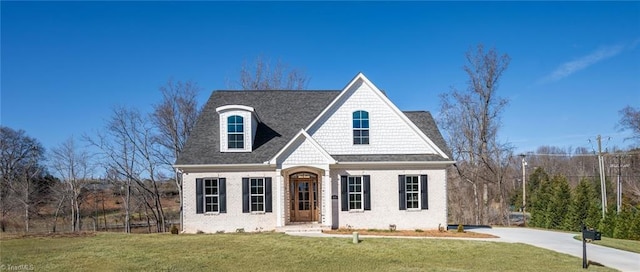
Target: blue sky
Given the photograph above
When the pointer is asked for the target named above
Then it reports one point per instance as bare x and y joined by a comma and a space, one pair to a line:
574, 65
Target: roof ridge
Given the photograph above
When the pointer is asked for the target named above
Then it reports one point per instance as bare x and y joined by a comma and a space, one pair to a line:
262, 91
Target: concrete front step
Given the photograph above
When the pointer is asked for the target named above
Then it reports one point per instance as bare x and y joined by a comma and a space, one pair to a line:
302, 228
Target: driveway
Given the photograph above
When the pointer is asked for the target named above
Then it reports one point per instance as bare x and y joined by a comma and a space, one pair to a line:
564, 243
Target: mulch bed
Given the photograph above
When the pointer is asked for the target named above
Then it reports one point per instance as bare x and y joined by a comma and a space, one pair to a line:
413, 233
6, 236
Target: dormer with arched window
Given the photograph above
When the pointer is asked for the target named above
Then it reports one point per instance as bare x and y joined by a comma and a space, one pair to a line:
238, 125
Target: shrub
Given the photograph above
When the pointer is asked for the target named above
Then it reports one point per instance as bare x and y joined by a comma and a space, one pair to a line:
174, 229
460, 228
419, 230
392, 227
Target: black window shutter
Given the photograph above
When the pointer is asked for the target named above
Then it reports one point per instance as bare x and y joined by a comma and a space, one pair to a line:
245, 195
424, 194
401, 193
222, 190
199, 196
345, 193
267, 195
367, 192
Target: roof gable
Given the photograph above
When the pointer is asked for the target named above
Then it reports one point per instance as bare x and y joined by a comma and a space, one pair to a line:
302, 150
396, 133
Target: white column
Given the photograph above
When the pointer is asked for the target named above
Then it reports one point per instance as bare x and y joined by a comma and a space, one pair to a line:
279, 199
327, 210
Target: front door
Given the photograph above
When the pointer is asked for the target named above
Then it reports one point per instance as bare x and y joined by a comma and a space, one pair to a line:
304, 195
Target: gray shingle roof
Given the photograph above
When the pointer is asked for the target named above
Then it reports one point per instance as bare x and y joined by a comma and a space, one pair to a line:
278, 126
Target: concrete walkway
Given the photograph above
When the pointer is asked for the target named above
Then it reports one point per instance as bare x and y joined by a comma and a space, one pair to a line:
556, 241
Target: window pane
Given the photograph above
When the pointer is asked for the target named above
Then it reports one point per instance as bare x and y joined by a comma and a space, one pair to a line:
356, 115
364, 115
365, 141
365, 133
365, 124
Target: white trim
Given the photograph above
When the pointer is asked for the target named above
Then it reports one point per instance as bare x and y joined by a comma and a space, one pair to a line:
406, 193
361, 193
385, 99
224, 108
205, 195
428, 163
263, 194
207, 167
302, 133
335, 101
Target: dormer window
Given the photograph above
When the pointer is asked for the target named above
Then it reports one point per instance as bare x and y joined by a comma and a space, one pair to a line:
235, 130
238, 126
360, 127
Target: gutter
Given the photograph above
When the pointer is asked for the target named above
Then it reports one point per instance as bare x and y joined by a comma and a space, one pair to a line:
222, 166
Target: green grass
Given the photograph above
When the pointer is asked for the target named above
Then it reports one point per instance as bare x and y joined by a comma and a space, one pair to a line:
628, 245
275, 252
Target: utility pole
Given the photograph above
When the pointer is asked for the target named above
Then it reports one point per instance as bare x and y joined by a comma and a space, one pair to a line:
619, 189
603, 185
524, 190
619, 165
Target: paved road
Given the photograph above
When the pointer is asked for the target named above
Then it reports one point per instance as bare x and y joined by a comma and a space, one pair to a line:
564, 243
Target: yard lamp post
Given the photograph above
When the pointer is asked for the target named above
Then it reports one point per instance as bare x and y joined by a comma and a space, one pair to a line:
524, 190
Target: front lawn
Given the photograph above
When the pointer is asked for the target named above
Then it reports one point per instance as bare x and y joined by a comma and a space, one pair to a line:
274, 252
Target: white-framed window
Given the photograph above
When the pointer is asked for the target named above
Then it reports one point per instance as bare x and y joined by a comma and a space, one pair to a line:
355, 192
257, 195
235, 132
360, 127
412, 191
211, 195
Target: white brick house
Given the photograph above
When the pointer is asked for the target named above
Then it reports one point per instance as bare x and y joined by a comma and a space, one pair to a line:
264, 160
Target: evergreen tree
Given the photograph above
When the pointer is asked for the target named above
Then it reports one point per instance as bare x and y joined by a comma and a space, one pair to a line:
560, 201
585, 207
634, 229
608, 224
540, 197
623, 224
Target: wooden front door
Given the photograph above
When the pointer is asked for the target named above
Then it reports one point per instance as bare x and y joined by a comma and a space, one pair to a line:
304, 195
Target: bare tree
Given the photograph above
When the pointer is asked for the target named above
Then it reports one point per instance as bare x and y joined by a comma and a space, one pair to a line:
74, 167
174, 118
630, 119
130, 148
264, 75
20, 158
472, 119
